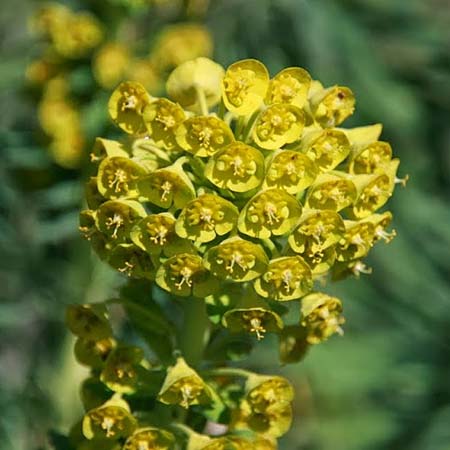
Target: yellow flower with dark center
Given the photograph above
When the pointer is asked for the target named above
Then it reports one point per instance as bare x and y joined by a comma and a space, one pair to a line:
184, 275
286, 278
278, 125
357, 240
162, 118
371, 158
327, 148
132, 261
290, 86
111, 421
115, 218
126, 106
150, 438
206, 217
236, 259
203, 136
270, 212
118, 176
330, 107
290, 171
238, 167
244, 86
257, 320
321, 316
331, 192
183, 386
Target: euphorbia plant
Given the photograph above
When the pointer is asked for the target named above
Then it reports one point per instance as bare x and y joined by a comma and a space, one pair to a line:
226, 206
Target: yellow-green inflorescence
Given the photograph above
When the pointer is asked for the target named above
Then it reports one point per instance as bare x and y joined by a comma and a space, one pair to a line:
242, 191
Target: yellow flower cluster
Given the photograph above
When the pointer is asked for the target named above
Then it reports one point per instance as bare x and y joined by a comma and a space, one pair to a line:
268, 192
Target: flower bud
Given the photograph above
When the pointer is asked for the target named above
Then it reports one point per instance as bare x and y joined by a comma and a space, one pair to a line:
89, 321
200, 74
93, 353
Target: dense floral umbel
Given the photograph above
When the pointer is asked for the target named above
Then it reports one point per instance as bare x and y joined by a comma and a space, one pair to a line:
243, 191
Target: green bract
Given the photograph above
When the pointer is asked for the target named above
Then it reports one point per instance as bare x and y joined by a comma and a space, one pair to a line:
270, 212
206, 217
238, 167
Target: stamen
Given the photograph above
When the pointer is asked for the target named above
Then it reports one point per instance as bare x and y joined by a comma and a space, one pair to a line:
166, 187
186, 275
116, 221
257, 328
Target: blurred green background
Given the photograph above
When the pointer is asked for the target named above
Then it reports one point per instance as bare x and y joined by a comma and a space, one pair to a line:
386, 383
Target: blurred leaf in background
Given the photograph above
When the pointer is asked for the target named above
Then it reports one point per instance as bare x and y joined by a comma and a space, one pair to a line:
384, 385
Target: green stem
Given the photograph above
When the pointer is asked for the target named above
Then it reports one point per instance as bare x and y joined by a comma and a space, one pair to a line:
201, 97
249, 126
239, 127
194, 331
228, 371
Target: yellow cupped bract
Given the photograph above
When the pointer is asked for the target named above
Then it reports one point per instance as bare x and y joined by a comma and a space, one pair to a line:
244, 86
331, 106
278, 125
183, 386
286, 278
327, 148
290, 171
203, 136
269, 212
161, 118
331, 191
238, 167
290, 86
126, 106
236, 259
117, 177
206, 217
184, 275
